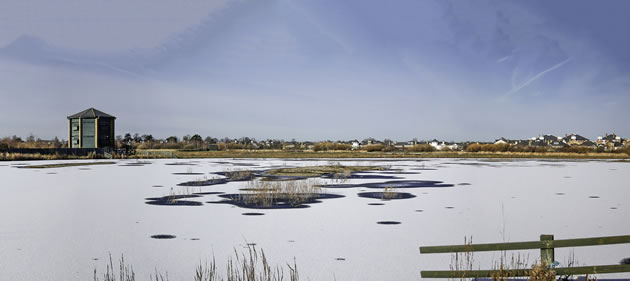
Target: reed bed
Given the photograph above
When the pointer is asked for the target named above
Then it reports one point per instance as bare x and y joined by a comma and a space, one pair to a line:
295, 192
251, 265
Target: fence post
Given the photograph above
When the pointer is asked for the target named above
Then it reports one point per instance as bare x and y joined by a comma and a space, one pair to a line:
546, 252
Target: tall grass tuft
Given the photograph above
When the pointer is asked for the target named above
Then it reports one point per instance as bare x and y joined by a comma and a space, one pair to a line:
251, 265
265, 193
125, 271
390, 193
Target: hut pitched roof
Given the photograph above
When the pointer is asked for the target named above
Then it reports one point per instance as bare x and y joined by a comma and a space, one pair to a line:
90, 113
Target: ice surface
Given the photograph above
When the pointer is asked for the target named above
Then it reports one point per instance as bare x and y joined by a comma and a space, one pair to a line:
61, 224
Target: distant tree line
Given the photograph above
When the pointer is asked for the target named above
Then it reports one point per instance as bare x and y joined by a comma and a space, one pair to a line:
30, 142
131, 142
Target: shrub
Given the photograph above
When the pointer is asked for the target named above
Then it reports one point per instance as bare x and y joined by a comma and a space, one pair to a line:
325, 146
422, 148
235, 146
473, 147
540, 149
374, 147
577, 149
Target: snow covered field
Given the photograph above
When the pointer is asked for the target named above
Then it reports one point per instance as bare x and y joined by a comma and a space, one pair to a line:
62, 223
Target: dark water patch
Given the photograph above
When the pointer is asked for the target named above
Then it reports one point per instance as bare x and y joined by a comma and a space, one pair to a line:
340, 259
391, 172
194, 239
388, 222
157, 186
386, 195
51, 173
253, 214
419, 211
355, 176
474, 164
393, 184
281, 201
245, 164
567, 177
163, 236
613, 208
84, 169
204, 182
560, 193
132, 165
625, 261
376, 204
550, 164
593, 197
181, 164
291, 241
208, 193
449, 207
188, 174
423, 169
464, 184
173, 200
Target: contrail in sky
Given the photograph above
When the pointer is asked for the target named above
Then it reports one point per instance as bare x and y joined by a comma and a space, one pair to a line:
536, 77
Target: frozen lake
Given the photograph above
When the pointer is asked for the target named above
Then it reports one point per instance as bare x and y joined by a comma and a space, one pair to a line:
62, 223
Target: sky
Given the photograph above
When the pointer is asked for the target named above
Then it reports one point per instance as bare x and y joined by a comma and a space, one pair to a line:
318, 70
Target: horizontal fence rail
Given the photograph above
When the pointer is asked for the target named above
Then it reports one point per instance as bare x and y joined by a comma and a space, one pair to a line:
546, 246
598, 269
595, 241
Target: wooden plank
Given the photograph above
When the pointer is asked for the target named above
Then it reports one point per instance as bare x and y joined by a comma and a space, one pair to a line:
594, 241
470, 273
598, 269
482, 247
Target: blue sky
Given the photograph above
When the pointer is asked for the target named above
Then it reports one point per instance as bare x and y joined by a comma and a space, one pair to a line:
316, 70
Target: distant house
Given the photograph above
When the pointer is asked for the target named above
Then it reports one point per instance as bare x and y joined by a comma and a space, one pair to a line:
355, 144
609, 138
502, 140
442, 145
589, 143
91, 128
574, 139
537, 142
435, 143
558, 144
550, 139
404, 144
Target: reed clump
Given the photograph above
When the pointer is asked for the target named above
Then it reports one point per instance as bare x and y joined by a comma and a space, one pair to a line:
390, 193
267, 193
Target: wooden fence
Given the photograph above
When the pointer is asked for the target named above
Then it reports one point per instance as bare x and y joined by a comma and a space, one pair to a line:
547, 244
